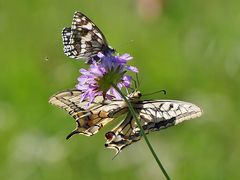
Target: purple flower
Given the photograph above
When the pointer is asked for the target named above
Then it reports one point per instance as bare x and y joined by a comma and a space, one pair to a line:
100, 76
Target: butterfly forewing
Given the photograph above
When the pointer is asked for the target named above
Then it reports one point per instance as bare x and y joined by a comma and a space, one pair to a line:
154, 116
158, 111
84, 40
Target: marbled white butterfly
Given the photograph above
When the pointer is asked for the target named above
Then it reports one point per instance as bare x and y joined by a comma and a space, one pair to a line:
84, 40
154, 115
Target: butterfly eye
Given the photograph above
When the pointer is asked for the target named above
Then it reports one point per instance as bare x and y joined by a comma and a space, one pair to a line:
139, 94
109, 135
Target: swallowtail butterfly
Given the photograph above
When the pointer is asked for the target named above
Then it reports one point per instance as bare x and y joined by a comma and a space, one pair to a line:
154, 116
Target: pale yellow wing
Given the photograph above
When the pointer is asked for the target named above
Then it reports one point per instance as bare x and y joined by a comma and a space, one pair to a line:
154, 116
89, 119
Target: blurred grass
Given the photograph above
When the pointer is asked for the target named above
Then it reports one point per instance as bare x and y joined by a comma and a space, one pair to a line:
191, 49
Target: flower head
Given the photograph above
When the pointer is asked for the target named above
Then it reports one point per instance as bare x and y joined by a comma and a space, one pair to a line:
100, 76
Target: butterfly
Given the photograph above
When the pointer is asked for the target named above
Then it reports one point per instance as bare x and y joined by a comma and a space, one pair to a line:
84, 40
154, 115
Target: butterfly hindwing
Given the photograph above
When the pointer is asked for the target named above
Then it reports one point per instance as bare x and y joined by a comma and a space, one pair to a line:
84, 40
89, 118
154, 116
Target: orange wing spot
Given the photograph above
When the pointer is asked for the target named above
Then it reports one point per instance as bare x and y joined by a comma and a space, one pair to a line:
103, 114
93, 122
81, 122
94, 116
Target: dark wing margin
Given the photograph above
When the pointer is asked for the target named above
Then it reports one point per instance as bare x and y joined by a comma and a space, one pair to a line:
68, 48
154, 116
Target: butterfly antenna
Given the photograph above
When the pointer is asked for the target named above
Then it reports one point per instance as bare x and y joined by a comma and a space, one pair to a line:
164, 92
131, 88
127, 91
135, 84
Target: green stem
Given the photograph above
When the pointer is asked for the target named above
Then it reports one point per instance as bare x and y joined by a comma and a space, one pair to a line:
142, 131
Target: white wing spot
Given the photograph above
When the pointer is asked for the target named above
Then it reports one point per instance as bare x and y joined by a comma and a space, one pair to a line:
88, 37
178, 112
165, 106
183, 110
172, 113
175, 106
159, 114
88, 26
99, 35
166, 116
83, 51
78, 20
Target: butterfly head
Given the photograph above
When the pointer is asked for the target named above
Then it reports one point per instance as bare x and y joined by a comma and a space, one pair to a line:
111, 49
108, 51
135, 95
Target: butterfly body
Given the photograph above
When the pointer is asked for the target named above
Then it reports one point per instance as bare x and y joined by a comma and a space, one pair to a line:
154, 115
84, 40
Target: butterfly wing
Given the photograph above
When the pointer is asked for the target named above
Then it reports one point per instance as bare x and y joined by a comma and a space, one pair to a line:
83, 40
89, 119
154, 116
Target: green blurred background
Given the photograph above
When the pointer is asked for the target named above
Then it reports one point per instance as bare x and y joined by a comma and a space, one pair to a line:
190, 48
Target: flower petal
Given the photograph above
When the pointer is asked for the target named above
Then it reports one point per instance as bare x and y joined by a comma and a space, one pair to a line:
132, 68
101, 74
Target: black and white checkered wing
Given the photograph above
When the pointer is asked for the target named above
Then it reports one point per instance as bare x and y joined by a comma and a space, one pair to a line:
83, 40
154, 116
